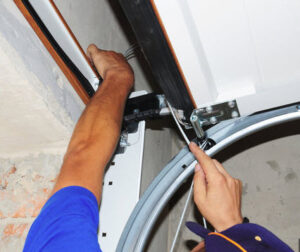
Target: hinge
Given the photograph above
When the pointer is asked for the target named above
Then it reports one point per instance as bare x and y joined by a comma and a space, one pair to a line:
213, 114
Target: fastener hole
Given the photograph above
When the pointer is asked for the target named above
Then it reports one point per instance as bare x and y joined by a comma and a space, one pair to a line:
110, 183
103, 234
184, 166
112, 163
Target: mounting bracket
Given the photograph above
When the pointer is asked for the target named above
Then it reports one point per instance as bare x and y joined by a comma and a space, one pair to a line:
213, 114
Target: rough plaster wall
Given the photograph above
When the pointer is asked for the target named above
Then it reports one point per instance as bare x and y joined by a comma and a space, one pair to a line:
25, 183
268, 163
34, 92
22, 107
37, 114
37, 65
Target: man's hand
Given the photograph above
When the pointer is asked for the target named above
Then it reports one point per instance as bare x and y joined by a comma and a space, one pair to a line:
216, 194
109, 63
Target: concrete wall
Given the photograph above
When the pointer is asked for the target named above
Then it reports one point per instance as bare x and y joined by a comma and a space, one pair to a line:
39, 110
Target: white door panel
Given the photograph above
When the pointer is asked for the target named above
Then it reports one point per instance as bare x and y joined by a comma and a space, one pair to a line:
244, 50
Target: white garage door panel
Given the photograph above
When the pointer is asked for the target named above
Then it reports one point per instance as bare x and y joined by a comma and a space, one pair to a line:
276, 35
245, 50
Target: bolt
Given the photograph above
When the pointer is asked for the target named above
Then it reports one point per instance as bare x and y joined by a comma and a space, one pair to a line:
234, 114
124, 140
231, 104
213, 120
209, 109
194, 118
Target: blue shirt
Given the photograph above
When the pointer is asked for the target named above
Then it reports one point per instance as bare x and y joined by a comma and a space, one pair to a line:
67, 222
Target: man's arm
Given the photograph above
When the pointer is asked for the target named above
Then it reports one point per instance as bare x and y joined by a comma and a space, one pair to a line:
98, 129
69, 220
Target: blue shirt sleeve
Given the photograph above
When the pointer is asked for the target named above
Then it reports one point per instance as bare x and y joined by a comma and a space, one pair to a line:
67, 222
241, 237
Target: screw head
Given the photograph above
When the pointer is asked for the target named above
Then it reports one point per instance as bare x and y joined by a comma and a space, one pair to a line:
213, 120
234, 114
194, 118
231, 104
209, 109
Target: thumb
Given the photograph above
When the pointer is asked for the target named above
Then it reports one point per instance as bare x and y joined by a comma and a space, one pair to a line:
199, 184
199, 248
206, 163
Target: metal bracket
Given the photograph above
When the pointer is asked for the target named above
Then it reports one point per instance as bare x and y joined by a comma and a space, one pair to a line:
213, 114
140, 108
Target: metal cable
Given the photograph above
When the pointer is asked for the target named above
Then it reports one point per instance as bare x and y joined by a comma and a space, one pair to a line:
185, 209
182, 217
178, 124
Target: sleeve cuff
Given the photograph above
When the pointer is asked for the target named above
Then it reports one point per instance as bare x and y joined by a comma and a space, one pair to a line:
241, 237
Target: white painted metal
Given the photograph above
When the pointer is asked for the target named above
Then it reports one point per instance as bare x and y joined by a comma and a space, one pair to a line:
119, 199
62, 36
246, 50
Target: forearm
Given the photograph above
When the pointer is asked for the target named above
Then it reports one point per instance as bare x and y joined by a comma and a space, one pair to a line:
95, 136
101, 119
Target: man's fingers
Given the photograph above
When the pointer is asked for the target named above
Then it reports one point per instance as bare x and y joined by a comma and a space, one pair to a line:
239, 191
92, 50
199, 184
205, 162
221, 169
96, 57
